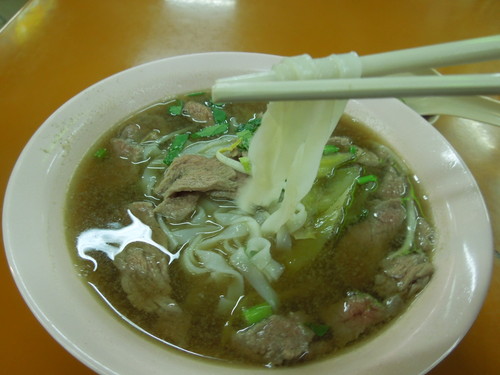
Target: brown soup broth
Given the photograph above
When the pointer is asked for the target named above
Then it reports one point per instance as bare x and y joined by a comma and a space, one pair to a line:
109, 179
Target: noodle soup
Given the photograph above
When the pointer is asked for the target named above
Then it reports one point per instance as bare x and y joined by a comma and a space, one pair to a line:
154, 221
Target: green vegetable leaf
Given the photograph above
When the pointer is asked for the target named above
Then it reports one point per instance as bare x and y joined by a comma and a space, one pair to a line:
176, 147
211, 131
327, 203
257, 313
331, 161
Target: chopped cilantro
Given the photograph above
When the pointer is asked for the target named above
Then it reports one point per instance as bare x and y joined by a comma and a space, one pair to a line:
176, 110
245, 132
245, 136
353, 149
250, 125
211, 131
176, 147
219, 115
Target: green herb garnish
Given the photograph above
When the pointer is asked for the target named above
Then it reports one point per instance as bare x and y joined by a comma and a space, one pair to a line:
318, 329
250, 125
245, 162
330, 149
257, 313
198, 93
245, 132
245, 136
219, 115
176, 110
101, 153
211, 131
365, 179
176, 147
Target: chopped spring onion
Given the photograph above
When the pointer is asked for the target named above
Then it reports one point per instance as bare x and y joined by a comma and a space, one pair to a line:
365, 179
318, 329
176, 147
330, 149
101, 153
198, 93
211, 131
257, 313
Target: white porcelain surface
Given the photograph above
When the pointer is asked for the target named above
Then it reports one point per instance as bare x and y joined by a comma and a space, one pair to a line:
42, 267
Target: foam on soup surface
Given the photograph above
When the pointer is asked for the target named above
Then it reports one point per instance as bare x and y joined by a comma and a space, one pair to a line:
155, 226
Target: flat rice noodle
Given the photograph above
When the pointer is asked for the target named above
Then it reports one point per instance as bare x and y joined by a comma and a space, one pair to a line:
255, 277
286, 150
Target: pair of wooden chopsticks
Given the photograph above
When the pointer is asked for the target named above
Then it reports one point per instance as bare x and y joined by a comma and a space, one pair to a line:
265, 87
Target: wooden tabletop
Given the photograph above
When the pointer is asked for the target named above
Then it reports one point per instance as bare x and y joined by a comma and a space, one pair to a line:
54, 49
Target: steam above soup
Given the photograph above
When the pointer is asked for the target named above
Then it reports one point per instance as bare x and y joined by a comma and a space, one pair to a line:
182, 227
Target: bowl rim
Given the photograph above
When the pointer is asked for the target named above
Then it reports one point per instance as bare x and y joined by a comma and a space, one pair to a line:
67, 127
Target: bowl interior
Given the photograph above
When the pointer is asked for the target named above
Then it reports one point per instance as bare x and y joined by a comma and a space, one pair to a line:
45, 275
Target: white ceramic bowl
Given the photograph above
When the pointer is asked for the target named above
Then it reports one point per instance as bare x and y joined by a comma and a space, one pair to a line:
44, 273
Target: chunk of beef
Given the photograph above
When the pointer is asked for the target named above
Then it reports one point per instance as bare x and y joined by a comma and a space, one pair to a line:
276, 340
189, 176
144, 278
126, 145
370, 240
196, 173
351, 317
179, 207
405, 275
198, 113
392, 185
367, 158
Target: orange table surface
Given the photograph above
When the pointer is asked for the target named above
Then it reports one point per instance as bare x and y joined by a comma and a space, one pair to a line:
55, 48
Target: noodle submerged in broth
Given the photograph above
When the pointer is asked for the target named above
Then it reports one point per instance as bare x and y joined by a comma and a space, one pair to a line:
178, 227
